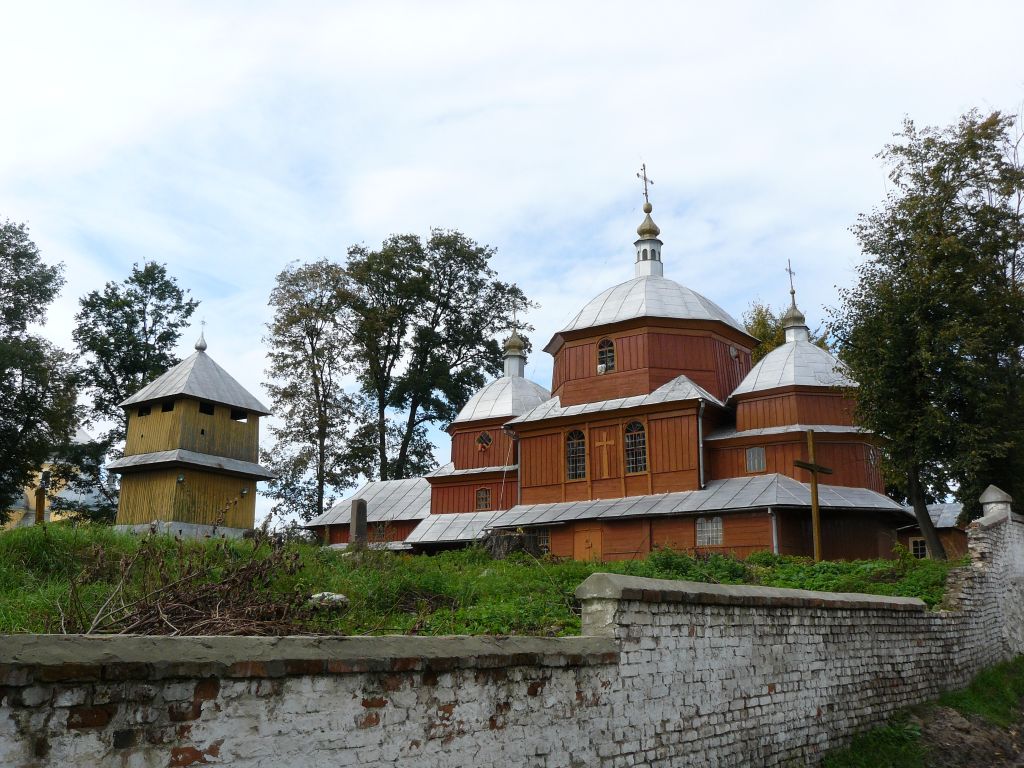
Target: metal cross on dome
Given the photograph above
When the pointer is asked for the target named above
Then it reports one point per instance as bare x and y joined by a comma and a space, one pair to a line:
792, 274
642, 174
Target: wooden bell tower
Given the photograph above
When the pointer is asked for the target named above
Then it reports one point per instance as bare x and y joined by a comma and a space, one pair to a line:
191, 454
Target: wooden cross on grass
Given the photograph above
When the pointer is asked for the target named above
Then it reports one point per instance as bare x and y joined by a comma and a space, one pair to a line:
815, 470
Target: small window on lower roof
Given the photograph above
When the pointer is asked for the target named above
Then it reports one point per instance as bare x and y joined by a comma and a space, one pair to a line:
206, 408
239, 414
483, 499
755, 459
167, 406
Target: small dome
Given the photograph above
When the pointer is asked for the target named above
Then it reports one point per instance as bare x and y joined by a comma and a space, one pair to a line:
508, 396
515, 343
648, 229
795, 363
649, 296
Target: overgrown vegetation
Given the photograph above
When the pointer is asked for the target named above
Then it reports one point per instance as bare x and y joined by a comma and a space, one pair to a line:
58, 578
993, 698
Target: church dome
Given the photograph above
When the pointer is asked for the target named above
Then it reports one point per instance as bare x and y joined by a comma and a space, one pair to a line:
508, 396
795, 363
648, 296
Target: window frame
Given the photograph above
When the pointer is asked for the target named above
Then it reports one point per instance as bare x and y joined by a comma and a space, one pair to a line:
482, 493
712, 538
606, 350
912, 546
632, 459
483, 440
207, 408
575, 456
755, 450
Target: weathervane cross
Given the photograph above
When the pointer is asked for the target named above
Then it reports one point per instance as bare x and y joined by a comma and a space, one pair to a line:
792, 274
642, 174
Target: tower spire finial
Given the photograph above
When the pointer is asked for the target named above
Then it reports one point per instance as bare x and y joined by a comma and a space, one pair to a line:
794, 322
642, 175
792, 290
648, 247
201, 343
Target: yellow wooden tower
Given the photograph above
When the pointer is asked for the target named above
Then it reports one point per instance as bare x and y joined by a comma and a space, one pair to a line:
190, 457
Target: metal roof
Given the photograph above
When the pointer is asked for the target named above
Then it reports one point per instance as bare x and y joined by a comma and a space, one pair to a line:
679, 389
795, 363
839, 429
200, 377
945, 515
737, 493
386, 501
449, 470
506, 396
646, 296
452, 527
194, 458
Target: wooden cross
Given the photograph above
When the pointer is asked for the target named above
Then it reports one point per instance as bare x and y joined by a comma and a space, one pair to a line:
604, 456
642, 174
815, 469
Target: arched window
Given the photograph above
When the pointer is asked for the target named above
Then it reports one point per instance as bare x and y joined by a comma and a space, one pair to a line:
606, 354
636, 447
483, 499
709, 531
645, 254
483, 441
575, 455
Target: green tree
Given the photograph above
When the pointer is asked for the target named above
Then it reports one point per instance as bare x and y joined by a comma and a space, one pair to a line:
426, 317
934, 330
765, 324
313, 455
37, 383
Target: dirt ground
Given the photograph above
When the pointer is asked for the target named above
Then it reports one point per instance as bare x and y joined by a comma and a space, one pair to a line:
956, 741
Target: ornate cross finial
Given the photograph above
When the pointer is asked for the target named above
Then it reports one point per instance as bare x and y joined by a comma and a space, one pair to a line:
642, 174
792, 274
201, 343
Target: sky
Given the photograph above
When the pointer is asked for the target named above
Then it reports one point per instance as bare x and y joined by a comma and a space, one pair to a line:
230, 139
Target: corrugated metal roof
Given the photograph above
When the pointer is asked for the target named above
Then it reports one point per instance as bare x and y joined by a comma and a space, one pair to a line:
449, 470
679, 389
194, 458
507, 396
945, 515
386, 501
725, 434
449, 528
645, 296
795, 363
760, 491
200, 377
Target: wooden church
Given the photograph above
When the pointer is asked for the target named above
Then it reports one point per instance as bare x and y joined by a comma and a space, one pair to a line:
190, 463
657, 432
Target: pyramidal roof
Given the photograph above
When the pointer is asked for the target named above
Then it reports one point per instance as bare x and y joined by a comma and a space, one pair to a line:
199, 377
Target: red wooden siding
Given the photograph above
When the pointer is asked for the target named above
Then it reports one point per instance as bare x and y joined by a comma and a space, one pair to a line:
852, 463
467, 453
794, 408
844, 535
396, 530
451, 498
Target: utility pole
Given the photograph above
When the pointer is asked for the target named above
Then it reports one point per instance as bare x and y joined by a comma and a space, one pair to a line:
815, 469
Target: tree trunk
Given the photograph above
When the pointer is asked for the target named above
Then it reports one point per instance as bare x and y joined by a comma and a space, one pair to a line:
382, 439
924, 520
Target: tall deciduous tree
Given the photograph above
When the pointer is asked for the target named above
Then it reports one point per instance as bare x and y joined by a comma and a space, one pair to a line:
934, 330
426, 318
765, 324
314, 454
37, 385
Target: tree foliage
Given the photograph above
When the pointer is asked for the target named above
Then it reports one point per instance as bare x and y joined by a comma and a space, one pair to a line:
426, 319
314, 455
934, 330
765, 324
37, 383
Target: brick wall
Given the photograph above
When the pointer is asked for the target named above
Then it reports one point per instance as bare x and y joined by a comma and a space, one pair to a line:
668, 673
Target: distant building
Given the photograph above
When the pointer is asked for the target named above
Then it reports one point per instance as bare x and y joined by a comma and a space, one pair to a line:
191, 454
657, 432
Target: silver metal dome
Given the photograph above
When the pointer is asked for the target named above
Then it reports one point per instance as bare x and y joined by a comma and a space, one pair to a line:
646, 296
795, 363
507, 396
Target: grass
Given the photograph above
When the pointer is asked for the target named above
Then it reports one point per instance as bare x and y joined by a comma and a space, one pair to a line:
458, 592
995, 696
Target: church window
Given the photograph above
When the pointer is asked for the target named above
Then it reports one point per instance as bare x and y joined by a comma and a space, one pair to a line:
636, 447
483, 499
575, 455
542, 537
756, 459
144, 410
484, 440
918, 548
606, 354
206, 408
709, 531
239, 414
645, 254
167, 406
